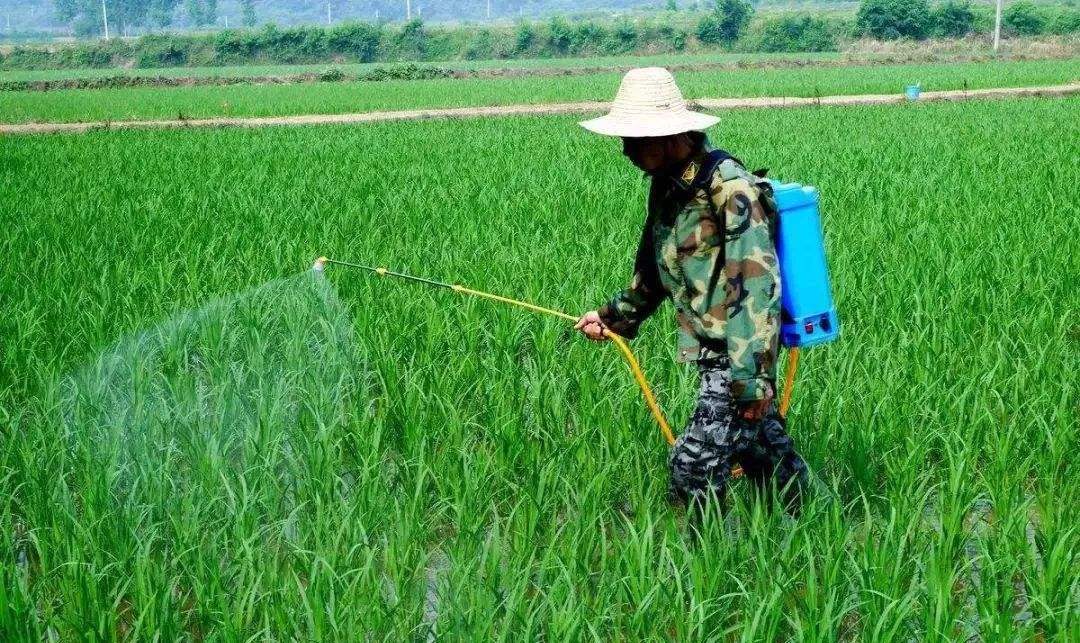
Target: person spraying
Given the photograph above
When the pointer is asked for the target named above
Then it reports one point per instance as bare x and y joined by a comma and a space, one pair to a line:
708, 245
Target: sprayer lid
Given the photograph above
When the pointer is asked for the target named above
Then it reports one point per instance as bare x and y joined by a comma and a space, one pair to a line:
790, 196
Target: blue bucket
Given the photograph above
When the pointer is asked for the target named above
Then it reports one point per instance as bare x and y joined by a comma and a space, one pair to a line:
912, 92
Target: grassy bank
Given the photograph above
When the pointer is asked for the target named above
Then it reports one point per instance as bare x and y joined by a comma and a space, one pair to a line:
332, 98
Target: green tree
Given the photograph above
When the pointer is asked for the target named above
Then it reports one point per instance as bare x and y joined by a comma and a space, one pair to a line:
247, 12
85, 15
1024, 19
412, 40
66, 9
954, 19
161, 12
893, 19
524, 37
1066, 20
725, 23
202, 12
210, 11
559, 34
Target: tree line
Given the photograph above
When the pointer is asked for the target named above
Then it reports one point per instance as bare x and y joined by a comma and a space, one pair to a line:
88, 17
918, 19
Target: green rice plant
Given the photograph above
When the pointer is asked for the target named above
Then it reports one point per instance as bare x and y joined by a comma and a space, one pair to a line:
196, 443
135, 103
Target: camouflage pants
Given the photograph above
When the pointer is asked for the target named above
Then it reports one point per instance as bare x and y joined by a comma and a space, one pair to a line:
717, 439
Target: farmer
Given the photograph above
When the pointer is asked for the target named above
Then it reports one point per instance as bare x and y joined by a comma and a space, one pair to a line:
708, 245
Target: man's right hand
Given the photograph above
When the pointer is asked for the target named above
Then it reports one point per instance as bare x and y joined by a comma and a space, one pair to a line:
591, 326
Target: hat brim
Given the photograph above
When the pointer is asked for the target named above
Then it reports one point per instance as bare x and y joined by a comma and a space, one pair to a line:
640, 126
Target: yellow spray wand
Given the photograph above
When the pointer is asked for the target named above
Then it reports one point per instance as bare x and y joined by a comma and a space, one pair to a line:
620, 343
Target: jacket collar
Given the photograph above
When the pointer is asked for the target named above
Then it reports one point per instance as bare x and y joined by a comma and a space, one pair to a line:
685, 175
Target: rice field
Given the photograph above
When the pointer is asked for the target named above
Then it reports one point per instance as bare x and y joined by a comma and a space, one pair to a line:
201, 441
134, 103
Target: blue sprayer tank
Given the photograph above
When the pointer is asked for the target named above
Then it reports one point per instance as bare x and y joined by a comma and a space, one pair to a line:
808, 316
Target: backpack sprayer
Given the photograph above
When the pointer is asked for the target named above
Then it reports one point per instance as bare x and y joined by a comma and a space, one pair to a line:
808, 316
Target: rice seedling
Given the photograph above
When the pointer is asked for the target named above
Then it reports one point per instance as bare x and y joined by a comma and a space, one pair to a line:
133, 103
357, 458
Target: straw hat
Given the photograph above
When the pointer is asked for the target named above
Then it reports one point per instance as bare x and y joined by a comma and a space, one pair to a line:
649, 103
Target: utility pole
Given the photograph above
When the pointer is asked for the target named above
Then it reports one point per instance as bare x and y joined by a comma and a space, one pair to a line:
327, 13
489, 10
408, 9
105, 18
997, 26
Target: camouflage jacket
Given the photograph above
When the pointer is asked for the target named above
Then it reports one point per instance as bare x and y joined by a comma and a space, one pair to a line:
722, 276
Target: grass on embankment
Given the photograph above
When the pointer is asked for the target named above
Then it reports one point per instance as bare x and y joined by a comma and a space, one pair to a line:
240, 71
336, 98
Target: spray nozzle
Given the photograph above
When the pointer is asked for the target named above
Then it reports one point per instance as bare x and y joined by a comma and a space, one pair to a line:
320, 264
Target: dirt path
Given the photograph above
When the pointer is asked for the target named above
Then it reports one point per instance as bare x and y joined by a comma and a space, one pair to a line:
536, 110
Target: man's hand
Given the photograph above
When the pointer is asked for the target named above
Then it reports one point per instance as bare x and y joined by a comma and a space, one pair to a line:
754, 410
591, 326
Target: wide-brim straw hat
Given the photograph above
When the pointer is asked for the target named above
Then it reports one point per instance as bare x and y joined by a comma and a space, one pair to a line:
649, 103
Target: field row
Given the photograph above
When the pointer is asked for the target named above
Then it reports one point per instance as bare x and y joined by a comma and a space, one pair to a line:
277, 458
339, 98
360, 68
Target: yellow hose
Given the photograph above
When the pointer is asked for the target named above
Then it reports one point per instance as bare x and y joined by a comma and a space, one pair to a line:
628, 355
635, 366
620, 343
650, 399
789, 380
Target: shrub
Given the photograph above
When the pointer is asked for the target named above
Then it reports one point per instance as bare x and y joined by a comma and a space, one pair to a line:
674, 36
411, 41
725, 23
331, 75
893, 19
161, 51
481, 45
1066, 20
954, 19
559, 35
588, 37
622, 39
296, 45
234, 46
799, 32
524, 37
410, 71
1024, 19
358, 40
99, 53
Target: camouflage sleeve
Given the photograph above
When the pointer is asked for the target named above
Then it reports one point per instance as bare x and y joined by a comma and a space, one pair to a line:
632, 306
752, 296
